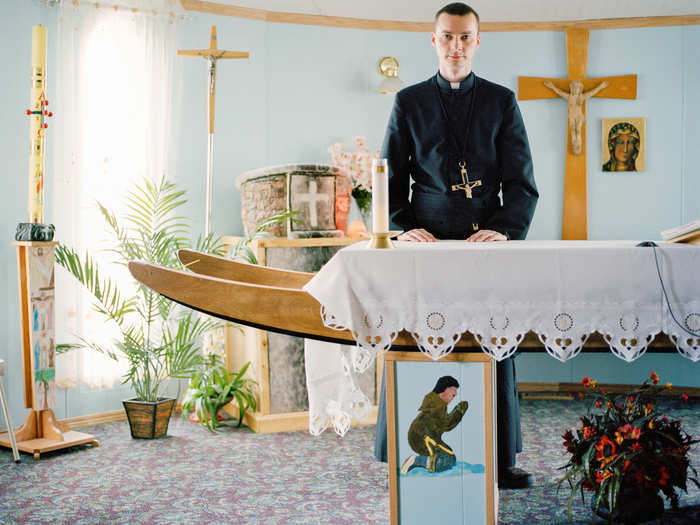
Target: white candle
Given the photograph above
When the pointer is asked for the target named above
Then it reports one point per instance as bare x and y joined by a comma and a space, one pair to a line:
380, 196
36, 130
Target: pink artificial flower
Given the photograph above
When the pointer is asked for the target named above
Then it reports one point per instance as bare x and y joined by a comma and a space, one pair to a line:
359, 142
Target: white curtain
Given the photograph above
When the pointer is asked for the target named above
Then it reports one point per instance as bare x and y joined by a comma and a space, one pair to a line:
114, 102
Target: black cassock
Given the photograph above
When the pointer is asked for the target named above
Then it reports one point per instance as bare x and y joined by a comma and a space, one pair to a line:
432, 129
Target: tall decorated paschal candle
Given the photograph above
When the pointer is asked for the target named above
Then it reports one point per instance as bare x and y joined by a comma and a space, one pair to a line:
380, 196
37, 125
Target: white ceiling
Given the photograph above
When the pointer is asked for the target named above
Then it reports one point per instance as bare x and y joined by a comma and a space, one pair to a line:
489, 10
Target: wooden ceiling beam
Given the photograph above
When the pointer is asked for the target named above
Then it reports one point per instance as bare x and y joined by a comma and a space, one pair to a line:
425, 27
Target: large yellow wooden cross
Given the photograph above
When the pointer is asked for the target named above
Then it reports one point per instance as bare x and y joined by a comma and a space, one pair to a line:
211, 55
574, 220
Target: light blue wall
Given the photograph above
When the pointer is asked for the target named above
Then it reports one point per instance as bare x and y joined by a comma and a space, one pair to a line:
306, 87
689, 138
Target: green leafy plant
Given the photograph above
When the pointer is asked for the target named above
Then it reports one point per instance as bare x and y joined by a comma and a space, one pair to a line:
159, 339
625, 444
212, 387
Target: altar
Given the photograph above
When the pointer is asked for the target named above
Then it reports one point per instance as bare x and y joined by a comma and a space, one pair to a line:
492, 297
562, 291
440, 293
452, 299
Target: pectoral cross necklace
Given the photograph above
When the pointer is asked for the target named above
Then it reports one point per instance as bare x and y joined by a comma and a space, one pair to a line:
466, 185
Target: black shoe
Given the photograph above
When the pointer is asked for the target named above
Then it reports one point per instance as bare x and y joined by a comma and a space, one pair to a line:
514, 478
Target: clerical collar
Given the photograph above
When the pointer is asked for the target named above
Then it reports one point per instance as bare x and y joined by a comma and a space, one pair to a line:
465, 85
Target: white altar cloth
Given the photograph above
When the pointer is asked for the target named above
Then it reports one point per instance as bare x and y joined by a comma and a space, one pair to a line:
561, 290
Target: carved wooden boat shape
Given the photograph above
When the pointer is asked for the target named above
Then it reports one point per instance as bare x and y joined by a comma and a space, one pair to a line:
275, 308
273, 300
251, 295
215, 266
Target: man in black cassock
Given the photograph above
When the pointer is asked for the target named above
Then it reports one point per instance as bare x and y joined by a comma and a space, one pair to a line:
462, 140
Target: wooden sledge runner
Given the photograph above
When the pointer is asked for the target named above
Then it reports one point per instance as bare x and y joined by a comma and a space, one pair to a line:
273, 300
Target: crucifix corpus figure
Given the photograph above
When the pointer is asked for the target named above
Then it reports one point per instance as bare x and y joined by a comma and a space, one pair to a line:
466, 185
576, 97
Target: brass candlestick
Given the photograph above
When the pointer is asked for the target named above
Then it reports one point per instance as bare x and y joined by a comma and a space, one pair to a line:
381, 240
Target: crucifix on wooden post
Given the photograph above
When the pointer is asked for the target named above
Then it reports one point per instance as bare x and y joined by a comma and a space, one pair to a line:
211, 55
576, 88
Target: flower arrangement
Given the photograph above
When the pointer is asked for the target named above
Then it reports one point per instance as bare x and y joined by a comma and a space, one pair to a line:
624, 445
356, 166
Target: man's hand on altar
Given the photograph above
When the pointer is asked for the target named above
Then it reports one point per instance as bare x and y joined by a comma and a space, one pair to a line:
487, 236
417, 235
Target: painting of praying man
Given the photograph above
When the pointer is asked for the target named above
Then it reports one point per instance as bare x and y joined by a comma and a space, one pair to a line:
440, 417
623, 144
425, 432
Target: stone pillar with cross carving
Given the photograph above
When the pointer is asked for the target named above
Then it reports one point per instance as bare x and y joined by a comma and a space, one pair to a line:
310, 189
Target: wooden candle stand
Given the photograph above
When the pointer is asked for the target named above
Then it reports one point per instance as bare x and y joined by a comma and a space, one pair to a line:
41, 431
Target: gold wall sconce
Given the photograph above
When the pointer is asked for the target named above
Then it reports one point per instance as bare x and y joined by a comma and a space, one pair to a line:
391, 83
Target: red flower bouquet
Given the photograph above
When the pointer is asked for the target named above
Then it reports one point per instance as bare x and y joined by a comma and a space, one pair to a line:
624, 450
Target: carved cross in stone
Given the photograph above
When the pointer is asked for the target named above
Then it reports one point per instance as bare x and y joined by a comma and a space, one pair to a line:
574, 221
466, 185
312, 199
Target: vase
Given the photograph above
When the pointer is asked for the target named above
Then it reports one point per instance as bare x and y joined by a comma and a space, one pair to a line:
360, 214
366, 215
148, 419
634, 505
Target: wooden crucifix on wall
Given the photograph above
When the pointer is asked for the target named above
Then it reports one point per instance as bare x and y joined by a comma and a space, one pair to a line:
212, 55
576, 88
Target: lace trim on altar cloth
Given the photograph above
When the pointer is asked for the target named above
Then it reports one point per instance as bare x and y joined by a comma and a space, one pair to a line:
628, 331
335, 416
335, 399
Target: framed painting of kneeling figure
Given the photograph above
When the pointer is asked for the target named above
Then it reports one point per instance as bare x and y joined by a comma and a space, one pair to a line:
440, 422
624, 147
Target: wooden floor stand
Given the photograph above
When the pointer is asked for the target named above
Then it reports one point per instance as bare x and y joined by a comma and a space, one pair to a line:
42, 432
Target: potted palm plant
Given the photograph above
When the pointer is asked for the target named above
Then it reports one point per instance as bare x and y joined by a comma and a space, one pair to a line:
158, 339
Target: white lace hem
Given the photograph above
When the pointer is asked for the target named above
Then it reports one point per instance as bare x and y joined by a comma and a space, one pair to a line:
563, 329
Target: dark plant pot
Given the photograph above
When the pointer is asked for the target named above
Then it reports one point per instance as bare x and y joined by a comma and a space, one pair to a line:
633, 506
148, 419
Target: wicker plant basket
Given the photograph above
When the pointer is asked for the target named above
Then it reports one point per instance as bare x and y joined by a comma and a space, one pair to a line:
148, 419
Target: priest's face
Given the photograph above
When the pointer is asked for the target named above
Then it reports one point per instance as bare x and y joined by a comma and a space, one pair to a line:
456, 39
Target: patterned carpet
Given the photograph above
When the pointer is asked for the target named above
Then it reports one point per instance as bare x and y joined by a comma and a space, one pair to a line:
237, 476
